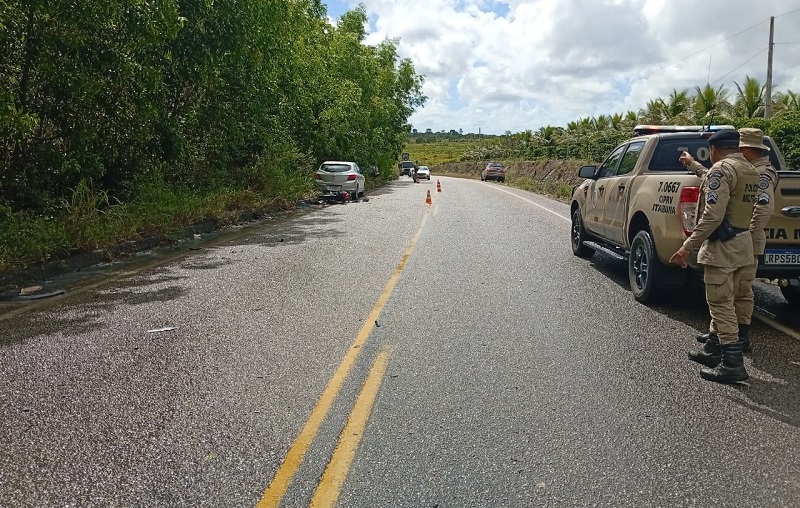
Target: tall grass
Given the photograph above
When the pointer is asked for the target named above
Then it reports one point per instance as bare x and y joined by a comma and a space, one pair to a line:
88, 219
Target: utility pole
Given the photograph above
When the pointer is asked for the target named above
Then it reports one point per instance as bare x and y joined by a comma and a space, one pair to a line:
768, 98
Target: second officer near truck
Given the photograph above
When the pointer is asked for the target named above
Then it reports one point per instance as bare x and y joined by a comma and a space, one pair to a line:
729, 192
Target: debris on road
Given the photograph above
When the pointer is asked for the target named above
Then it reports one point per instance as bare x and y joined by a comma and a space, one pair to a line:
165, 329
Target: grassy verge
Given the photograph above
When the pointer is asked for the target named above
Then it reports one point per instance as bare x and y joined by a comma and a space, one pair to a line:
89, 220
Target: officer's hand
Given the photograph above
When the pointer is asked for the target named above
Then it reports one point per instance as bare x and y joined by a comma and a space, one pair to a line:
686, 159
680, 258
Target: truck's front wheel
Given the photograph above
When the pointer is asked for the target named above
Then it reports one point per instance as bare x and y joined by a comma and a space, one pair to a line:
578, 236
643, 267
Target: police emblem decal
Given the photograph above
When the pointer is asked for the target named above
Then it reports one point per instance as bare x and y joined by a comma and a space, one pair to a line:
764, 181
713, 183
712, 198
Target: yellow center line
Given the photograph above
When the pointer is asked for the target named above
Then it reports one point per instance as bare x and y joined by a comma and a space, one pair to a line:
294, 457
333, 478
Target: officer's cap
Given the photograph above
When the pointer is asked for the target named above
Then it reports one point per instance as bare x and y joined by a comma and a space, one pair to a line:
753, 138
724, 137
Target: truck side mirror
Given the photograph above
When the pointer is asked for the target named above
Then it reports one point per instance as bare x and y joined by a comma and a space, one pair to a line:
587, 171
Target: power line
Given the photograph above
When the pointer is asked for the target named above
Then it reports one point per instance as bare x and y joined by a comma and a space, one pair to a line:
739, 67
787, 13
690, 56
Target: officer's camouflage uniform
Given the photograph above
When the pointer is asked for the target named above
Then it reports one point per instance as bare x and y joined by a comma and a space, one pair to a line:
730, 189
762, 213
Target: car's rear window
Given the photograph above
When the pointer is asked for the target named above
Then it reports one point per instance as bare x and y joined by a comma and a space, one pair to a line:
668, 150
407, 164
494, 165
335, 168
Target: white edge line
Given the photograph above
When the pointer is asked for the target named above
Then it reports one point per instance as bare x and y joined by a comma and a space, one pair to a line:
531, 202
774, 324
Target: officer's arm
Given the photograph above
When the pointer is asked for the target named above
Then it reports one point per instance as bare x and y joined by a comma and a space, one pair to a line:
765, 205
697, 168
717, 192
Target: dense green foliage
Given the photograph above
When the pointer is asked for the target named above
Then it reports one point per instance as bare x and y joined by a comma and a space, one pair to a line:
194, 93
103, 101
593, 138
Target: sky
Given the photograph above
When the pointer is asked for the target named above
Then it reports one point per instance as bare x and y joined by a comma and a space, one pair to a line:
494, 66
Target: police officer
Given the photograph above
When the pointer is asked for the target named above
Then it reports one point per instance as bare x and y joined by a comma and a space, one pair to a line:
751, 144
730, 190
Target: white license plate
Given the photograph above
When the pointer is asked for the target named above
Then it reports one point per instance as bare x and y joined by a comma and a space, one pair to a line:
334, 188
782, 257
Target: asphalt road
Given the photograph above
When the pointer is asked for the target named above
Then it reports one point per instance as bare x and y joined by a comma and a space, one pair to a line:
387, 354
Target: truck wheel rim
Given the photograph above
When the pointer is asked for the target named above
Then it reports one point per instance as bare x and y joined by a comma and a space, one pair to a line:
576, 229
640, 267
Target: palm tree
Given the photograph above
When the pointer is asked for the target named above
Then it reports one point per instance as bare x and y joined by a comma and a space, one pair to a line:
785, 102
545, 136
617, 121
677, 107
655, 112
601, 123
710, 102
750, 98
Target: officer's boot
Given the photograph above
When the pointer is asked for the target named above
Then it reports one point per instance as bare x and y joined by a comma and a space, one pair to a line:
744, 338
703, 337
730, 369
710, 355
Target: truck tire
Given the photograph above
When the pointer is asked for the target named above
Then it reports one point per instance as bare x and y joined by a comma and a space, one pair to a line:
792, 295
643, 268
578, 236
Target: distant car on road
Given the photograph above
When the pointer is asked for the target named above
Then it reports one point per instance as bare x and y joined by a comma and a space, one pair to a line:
406, 168
493, 171
340, 176
423, 173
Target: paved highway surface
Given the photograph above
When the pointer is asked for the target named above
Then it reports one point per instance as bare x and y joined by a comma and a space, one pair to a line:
388, 354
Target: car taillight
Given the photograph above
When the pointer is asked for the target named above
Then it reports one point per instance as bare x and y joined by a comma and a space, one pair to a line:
317, 176
687, 209
351, 177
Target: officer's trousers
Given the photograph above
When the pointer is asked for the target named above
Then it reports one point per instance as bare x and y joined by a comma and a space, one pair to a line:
743, 297
720, 285
743, 294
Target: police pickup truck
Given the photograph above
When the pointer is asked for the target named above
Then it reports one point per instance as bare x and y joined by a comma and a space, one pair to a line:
640, 205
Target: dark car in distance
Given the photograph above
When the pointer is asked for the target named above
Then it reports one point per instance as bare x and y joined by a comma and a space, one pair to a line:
493, 171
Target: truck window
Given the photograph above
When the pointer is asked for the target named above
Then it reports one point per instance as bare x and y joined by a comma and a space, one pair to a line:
609, 167
665, 157
631, 156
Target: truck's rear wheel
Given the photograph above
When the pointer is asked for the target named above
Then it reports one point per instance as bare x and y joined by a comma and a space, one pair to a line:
578, 236
643, 267
792, 294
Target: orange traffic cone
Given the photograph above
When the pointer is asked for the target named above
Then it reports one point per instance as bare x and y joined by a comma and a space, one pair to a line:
438, 186
428, 199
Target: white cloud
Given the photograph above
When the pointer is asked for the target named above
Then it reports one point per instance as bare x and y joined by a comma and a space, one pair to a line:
549, 62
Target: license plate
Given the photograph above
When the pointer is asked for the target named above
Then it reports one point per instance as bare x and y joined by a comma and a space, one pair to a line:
334, 188
781, 257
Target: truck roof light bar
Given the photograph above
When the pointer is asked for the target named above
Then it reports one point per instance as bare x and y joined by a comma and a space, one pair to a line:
641, 130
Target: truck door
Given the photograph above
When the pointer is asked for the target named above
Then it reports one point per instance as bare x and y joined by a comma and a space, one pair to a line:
616, 208
598, 194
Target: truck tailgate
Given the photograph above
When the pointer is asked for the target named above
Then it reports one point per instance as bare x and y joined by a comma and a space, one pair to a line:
782, 254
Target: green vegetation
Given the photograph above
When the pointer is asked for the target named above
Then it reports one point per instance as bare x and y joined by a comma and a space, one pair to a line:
592, 138
120, 120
